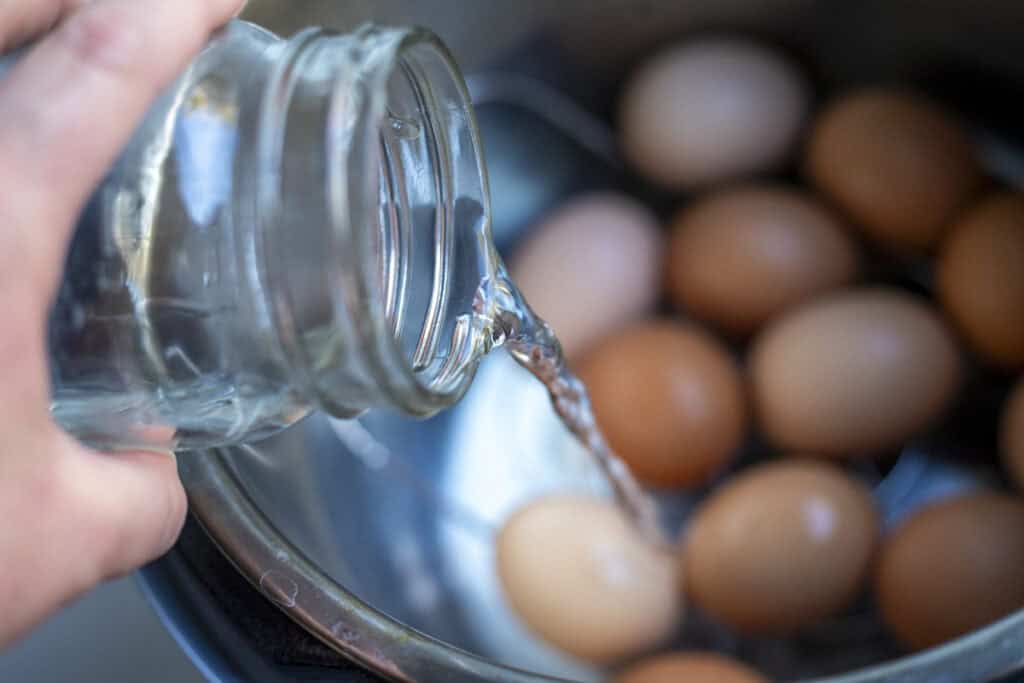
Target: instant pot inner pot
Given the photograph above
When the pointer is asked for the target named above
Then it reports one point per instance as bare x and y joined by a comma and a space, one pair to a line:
359, 529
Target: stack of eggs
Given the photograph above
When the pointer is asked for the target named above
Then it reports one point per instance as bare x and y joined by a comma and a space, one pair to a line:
768, 314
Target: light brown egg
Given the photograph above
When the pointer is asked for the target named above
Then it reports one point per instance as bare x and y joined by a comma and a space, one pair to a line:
952, 567
898, 164
981, 278
741, 256
853, 373
1011, 434
670, 399
690, 667
580, 576
591, 267
780, 546
711, 110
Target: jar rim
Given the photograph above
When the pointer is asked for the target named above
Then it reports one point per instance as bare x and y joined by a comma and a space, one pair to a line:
404, 386
369, 186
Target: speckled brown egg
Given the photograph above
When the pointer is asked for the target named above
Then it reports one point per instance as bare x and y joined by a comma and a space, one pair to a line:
741, 256
690, 667
897, 163
583, 578
952, 567
1011, 434
670, 399
853, 373
780, 546
981, 278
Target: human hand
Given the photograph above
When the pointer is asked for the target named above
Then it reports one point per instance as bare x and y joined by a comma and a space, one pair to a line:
71, 517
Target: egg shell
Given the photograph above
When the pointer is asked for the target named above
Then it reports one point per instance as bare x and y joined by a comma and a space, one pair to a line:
897, 163
1011, 434
711, 110
980, 278
780, 546
853, 373
741, 256
582, 577
591, 267
952, 567
690, 667
670, 400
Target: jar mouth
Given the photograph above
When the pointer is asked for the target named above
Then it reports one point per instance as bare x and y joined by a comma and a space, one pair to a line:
411, 196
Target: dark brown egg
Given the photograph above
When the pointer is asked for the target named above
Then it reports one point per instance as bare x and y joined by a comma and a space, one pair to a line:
780, 546
898, 164
739, 257
981, 278
670, 399
690, 667
952, 567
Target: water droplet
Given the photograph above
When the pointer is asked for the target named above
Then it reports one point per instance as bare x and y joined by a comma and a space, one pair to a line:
279, 588
345, 633
403, 127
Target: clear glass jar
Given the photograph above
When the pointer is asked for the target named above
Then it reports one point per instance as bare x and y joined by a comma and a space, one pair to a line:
298, 224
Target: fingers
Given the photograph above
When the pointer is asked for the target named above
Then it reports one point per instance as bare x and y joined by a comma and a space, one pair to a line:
73, 101
75, 518
21, 20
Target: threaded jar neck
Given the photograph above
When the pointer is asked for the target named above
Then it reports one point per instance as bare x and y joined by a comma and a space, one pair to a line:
375, 220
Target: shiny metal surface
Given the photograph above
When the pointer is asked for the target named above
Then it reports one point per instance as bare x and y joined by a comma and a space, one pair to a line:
373, 533
334, 517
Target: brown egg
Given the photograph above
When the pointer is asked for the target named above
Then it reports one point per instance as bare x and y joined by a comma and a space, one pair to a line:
690, 667
591, 267
670, 400
981, 278
742, 256
711, 110
901, 166
780, 546
1011, 434
853, 373
581, 577
952, 567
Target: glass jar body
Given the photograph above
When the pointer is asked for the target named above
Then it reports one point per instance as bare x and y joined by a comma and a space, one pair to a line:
159, 335
231, 272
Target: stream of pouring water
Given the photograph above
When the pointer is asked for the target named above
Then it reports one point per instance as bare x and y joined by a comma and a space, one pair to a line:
533, 344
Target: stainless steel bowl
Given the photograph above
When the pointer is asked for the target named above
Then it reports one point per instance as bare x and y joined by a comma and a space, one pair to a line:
376, 535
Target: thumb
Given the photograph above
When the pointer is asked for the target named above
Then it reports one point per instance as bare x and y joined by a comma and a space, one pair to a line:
76, 517
131, 504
